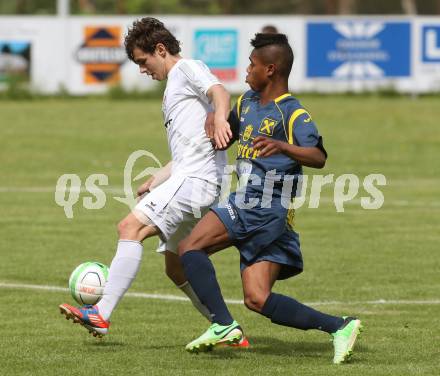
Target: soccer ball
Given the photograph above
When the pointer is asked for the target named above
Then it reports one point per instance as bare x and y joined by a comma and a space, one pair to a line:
87, 281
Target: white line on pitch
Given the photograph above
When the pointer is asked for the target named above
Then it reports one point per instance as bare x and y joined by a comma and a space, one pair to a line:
229, 301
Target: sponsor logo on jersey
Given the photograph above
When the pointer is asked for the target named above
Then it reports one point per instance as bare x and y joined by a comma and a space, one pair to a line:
246, 152
267, 126
102, 54
248, 132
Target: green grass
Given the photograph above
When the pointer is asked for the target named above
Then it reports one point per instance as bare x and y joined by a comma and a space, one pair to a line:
352, 257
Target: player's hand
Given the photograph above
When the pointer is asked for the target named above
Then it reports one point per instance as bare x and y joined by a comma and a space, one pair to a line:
145, 188
222, 133
268, 146
209, 126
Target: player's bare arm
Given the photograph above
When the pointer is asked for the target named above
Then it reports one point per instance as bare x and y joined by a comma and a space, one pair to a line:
157, 179
306, 156
209, 129
220, 98
209, 126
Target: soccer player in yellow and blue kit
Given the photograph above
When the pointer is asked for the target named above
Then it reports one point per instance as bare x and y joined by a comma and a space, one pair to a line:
276, 137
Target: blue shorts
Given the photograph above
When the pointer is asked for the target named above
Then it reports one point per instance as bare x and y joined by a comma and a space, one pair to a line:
261, 234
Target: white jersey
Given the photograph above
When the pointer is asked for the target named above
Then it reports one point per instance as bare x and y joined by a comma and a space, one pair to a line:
185, 107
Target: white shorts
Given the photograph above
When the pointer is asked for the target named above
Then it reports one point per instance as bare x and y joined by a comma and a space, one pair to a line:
175, 207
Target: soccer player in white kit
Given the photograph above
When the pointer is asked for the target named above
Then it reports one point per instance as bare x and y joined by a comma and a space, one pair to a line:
189, 184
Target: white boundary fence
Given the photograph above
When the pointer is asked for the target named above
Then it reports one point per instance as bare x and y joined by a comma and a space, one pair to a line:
85, 54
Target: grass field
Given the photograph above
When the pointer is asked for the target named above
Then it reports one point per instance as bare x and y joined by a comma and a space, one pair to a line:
352, 259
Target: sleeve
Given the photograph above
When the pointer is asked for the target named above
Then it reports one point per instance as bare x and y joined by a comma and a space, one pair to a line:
303, 131
234, 122
199, 76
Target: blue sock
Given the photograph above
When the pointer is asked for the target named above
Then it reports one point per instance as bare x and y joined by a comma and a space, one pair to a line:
286, 311
201, 276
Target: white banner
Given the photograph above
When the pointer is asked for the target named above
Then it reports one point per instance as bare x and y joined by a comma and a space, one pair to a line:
426, 54
86, 54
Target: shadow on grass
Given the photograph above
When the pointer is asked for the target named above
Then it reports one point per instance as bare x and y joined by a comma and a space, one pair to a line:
263, 345
161, 347
222, 353
275, 346
103, 343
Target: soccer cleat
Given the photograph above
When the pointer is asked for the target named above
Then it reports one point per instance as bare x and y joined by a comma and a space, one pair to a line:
88, 316
344, 339
243, 344
216, 335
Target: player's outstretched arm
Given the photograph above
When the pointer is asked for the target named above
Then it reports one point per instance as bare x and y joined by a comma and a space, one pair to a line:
209, 129
221, 101
158, 178
306, 156
209, 126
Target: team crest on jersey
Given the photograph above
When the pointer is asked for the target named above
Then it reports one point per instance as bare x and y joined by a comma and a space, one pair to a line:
247, 132
267, 126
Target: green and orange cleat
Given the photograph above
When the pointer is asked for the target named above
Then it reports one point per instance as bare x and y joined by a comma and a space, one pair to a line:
218, 335
242, 344
345, 338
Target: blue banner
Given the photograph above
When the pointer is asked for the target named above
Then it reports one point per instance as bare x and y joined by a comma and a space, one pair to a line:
364, 49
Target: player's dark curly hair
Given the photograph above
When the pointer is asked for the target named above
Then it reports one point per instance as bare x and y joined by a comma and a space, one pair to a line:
283, 59
146, 33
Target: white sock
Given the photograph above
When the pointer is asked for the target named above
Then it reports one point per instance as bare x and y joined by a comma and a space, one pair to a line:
123, 270
188, 290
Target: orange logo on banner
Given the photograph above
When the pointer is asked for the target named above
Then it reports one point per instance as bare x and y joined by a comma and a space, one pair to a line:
102, 54
101, 73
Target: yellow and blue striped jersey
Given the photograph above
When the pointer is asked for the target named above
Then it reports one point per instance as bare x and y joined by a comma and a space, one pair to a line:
283, 119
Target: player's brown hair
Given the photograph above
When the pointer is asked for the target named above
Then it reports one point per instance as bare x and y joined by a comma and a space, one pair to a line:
146, 33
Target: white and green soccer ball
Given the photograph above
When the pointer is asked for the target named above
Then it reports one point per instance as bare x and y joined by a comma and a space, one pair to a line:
87, 282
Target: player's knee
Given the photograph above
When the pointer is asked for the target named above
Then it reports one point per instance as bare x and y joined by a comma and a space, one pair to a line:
186, 245
127, 229
123, 227
255, 301
194, 241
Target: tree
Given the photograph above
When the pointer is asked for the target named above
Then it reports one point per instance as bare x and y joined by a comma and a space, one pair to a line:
347, 6
409, 6
86, 6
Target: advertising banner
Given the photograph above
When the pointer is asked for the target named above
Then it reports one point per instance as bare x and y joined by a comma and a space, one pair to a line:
358, 49
431, 43
218, 49
426, 54
85, 55
101, 54
15, 61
